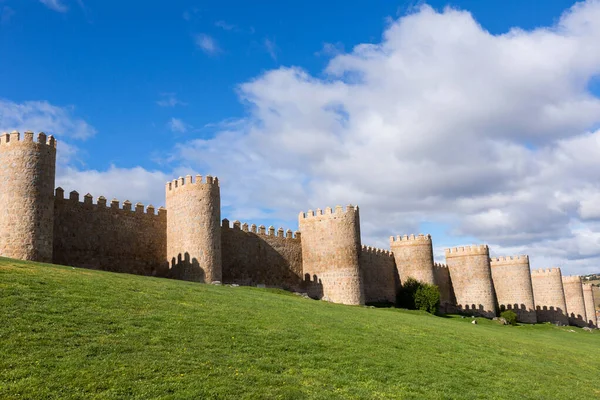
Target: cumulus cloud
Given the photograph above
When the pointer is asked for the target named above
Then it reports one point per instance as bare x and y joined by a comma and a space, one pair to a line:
177, 125
441, 122
169, 100
207, 44
41, 115
56, 5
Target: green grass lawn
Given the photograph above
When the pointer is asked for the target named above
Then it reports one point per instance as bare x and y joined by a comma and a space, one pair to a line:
75, 333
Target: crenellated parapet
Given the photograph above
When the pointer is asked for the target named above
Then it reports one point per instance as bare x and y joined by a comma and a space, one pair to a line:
410, 239
14, 139
27, 174
101, 204
261, 230
546, 271
465, 251
181, 182
337, 210
376, 251
509, 260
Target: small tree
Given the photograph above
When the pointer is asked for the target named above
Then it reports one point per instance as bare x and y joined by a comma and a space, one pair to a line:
510, 316
416, 295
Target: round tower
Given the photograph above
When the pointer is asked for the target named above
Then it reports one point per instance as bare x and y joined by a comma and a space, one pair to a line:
472, 279
414, 257
194, 229
549, 296
512, 284
27, 171
330, 254
590, 305
574, 298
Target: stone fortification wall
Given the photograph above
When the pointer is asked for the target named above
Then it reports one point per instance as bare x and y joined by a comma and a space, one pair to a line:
472, 279
109, 238
590, 305
442, 280
194, 229
253, 256
414, 257
549, 297
573, 289
512, 284
27, 169
330, 254
380, 279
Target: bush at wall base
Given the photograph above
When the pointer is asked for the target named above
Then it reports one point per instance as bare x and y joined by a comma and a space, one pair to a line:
510, 317
417, 295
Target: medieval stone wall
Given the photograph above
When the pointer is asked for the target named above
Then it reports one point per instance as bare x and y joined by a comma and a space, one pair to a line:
379, 274
194, 229
414, 257
441, 274
330, 254
253, 256
590, 305
472, 279
109, 238
512, 284
27, 170
573, 289
549, 296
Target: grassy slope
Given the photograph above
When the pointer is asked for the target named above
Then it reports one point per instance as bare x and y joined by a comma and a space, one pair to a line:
73, 333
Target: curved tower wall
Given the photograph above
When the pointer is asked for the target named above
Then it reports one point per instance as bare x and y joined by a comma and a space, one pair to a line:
414, 257
590, 305
512, 284
472, 279
194, 229
549, 296
330, 254
574, 298
27, 169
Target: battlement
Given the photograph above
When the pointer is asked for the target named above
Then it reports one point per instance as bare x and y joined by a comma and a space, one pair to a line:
260, 230
339, 210
572, 279
542, 271
440, 265
410, 239
101, 203
376, 251
468, 251
189, 180
509, 260
15, 138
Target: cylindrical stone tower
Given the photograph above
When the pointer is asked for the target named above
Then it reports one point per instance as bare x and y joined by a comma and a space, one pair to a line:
194, 229
414, 257
549, 296
472, 279
590, 305
330, 254
574, 298
512, 284
27, 170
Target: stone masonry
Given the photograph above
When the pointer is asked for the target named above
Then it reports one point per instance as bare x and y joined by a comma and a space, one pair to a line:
472, 279
188, 240
512, 284
590, 305
574, 298
549, 296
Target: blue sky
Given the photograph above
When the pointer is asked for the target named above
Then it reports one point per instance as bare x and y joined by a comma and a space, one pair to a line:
141, 92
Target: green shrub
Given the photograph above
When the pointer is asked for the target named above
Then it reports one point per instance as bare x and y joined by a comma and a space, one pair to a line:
416, 295
510, 316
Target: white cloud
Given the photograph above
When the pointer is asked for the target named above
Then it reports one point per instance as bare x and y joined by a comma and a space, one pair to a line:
41, 115
56, 5
225, 26
169, 100
441, 122
207, 44
177, 125
271, 48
